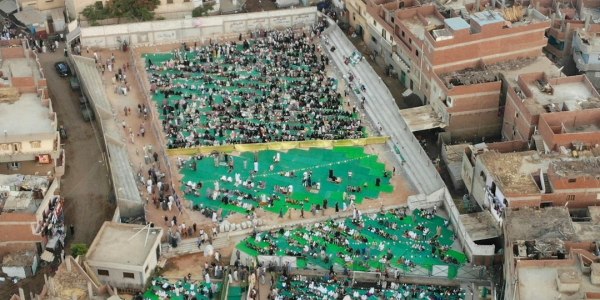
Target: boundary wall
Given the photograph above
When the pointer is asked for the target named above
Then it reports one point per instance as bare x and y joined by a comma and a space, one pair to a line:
194, 29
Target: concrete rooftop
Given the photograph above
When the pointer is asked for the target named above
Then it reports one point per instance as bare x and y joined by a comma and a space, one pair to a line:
539, 282
417, 28
577, 167
481, 225
570, 94
18, 67
123, 244
538, 224
512, 171
25, 116
17, 201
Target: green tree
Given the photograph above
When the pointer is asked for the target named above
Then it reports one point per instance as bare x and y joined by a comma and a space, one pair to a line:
202, 10
78, 249
137, 10
95, 12
134, 10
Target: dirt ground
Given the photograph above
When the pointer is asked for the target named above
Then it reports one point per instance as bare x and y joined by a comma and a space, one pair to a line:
181, 266
85, 185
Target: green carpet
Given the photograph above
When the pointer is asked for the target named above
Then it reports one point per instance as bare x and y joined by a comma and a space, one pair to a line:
363, 250
242, 86
235, 293
364, 167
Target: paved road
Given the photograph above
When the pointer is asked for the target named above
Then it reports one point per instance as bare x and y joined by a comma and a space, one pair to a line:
382, 109
85, 185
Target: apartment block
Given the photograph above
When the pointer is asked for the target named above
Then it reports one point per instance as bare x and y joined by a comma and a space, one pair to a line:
567, 17
533, 95
129, 269
502, 178
586, 54
29, 137
551, 254
452, 55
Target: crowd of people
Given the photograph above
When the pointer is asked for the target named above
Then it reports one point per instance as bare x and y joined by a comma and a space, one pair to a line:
160, 288
275, 88
244, 183
330, 288
393, 239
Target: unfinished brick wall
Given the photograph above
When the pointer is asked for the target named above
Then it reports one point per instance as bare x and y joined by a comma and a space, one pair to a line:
550, 127
24, 84
12, 52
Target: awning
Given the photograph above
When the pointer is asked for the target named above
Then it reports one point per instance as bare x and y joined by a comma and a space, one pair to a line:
421, 118
8, 6
31, 17
47, 256
73, 34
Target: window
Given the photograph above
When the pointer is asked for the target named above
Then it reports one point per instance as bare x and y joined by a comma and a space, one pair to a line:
103, 272
4, 147
383, 33
36, 144
374, 23
417, 53
128, 275
353, 16
516, 115
374, 40
169, 1
402, 33
392, 19
146, 269
571, 180
570, 197
16, 147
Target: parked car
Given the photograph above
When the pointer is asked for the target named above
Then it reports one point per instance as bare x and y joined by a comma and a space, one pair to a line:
62, 68
74, 81
63, 132
86, 109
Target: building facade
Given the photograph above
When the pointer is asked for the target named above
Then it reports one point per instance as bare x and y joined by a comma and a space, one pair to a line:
124, 270
586, 54
426, 45
29, 124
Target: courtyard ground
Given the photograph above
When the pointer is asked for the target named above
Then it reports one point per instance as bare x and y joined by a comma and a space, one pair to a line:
137, 95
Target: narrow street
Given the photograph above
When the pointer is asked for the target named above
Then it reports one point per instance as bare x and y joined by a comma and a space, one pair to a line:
85, 185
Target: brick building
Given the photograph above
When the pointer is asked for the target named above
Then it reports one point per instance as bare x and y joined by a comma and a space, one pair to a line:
534, 99
30, 141
32, 160
427, 45
551, 255
567, 17
507, 177
586, 54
